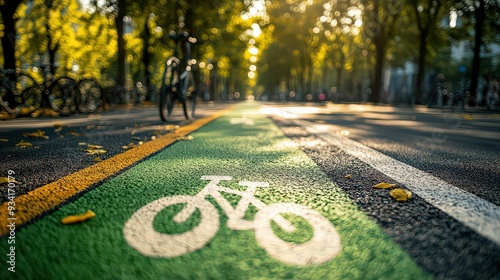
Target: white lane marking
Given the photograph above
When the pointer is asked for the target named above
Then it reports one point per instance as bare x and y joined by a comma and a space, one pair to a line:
476, 213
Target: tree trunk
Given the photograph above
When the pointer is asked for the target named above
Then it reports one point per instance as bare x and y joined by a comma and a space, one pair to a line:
476, 62
121, 42
379, 42
419, 93
146, 57
51, 50
9, 33
379, 67
7, 11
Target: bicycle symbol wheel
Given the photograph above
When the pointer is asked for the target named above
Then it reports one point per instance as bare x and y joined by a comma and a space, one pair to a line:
321, 248
141, 235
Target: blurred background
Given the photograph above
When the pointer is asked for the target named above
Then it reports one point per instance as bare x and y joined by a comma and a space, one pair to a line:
432, 52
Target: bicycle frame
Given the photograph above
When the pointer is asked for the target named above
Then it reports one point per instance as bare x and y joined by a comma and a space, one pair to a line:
182, 83
177, 79
235, 215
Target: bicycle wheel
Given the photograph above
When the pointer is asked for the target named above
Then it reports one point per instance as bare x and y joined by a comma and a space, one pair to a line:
31, 93
189, 102
141, 235
113, 96
62, 94
321, 248
169, 88
88, 96
166, 103
7, 97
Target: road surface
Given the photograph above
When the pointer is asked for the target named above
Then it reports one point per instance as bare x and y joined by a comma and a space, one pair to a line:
253, 190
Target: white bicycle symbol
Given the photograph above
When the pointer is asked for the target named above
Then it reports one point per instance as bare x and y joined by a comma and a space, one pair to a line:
321, 248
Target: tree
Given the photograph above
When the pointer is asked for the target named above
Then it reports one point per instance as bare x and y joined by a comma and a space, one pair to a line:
485, 24
427, 15
7, 10
117, 10
381, 18
73, 37
46, 27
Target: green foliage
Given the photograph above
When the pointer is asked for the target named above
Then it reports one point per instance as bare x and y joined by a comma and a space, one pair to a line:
302, 44
82, 39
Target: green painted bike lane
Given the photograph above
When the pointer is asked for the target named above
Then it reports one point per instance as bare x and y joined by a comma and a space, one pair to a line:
134, 235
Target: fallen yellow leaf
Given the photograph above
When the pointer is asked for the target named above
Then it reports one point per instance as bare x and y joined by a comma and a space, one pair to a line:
23, 144
36, 114
401, 195
6, 116
72, 219
348, 176
383, 186
82, 143
4, 140
95, 151
130, 146
94, 147
75, 133
36, 134
468, 117
6, 180
171, 127
187, 137
97, 159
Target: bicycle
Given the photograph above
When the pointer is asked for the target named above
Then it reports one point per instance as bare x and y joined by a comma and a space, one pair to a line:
140, 234
13, 83
60, 93
178, 81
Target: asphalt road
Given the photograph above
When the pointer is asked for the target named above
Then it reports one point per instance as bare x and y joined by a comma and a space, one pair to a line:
450, 160
461, 149
61, 154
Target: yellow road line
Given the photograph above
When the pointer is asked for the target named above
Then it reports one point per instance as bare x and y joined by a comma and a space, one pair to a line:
40, 200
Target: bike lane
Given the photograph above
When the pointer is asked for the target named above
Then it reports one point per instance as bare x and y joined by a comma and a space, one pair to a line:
134, 234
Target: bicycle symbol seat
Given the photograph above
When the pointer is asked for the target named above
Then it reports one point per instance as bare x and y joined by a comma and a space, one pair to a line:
141, 235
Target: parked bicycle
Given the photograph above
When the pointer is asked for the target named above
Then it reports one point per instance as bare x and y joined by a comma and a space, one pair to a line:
178, 82
16, 88
60, 93
89, 95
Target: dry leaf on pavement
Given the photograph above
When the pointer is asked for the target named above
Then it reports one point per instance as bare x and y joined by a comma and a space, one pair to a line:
95, 151
36, 134
383, 185
130, 146
23, 144
6, 180
72, 219
187, 137
401, 195
93, 147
